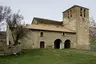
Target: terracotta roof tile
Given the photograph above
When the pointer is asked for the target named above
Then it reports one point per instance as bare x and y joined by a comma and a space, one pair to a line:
47, 21
49, 27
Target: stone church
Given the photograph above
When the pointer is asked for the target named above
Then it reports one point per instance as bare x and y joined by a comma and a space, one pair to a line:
71, 32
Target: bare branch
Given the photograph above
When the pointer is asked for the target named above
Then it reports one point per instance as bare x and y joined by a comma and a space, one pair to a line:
4, 12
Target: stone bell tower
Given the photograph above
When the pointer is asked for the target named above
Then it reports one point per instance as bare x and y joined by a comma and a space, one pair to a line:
76, 18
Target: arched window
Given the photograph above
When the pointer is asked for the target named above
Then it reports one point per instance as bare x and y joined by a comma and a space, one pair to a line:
80, 11
70, 13
84, 12
41, 34
9, 42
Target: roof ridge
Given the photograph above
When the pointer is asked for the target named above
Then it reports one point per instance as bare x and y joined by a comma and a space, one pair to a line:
75, 6
46, 19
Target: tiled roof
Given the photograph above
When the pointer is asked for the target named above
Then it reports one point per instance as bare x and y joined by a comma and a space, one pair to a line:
49, 28
47, 21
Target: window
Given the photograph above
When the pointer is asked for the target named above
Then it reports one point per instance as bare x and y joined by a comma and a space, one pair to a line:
84, 12
9, 43
63, 33
41, 34
1, 41
81, 12
18, 42
70, 13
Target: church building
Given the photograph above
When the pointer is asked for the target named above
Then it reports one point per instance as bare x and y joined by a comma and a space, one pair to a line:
71, 32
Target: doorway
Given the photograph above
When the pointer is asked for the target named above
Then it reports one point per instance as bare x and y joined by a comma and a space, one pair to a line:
57, 44
42, 44
67, 44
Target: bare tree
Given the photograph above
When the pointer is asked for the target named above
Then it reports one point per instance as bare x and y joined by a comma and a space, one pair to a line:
13, 20
4, 12
18, 30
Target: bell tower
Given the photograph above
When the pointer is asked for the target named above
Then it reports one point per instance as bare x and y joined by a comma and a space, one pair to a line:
69, 18
76, 18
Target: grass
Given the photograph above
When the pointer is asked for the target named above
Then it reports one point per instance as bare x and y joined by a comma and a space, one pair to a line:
51, 56
93, 43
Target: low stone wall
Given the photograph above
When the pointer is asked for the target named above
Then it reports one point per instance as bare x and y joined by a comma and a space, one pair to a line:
8, 50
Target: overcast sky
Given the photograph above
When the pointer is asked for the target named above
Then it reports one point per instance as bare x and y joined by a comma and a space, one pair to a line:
50, 9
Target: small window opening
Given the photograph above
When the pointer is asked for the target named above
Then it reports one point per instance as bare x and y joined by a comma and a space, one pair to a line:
81, 12
19, 43
41, 34
70, 13
1, 41
84, 12
9, 42
68, 16
63, 33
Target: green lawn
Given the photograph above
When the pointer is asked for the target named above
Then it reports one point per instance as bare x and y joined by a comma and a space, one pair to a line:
94, 42
51, 56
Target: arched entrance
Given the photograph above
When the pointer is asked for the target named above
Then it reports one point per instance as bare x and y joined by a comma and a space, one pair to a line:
42, 44
57, 43
67, 44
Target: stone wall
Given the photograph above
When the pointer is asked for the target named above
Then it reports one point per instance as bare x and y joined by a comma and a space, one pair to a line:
6, 43
76, 18
33, 39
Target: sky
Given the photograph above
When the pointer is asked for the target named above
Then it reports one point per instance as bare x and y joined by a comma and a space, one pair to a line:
48, 9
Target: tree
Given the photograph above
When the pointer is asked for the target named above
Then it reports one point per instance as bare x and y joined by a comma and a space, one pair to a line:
18, 30
4, 13
92, 29
13, 20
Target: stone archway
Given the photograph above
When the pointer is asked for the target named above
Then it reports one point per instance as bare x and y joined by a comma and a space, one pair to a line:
42, 44
67, 44
57, 43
